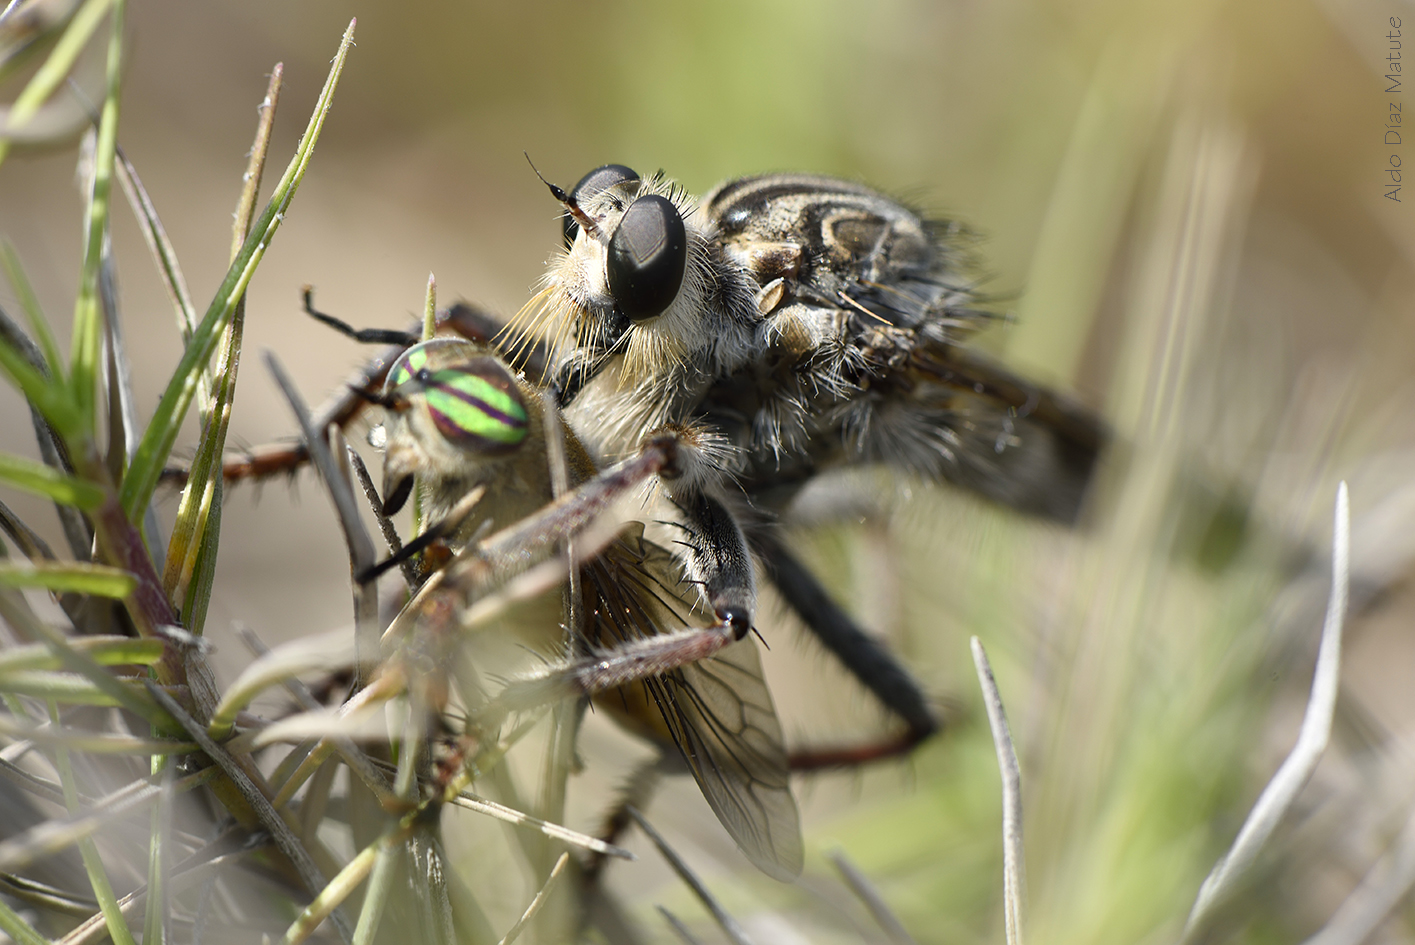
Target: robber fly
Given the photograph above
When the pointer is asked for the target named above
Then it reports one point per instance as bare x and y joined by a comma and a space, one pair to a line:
474, 435
809, 323
799, 323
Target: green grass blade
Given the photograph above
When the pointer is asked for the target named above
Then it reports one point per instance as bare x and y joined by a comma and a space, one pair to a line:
93, 743
336, 892
155, 920
12, 609
53, 450
63, 688
51, 398
390, 852
156, 445
38, 324
93, 864
18, 929
86, 343
385, 871
105, 651
44, 480
191, 554
56, 68
100, 580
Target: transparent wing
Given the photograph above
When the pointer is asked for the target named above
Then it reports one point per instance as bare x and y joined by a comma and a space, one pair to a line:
724, 722
717, 711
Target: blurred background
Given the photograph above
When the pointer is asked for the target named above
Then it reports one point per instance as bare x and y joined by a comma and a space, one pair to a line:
1188, 208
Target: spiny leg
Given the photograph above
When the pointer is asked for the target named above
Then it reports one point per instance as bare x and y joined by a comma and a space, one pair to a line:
718, 558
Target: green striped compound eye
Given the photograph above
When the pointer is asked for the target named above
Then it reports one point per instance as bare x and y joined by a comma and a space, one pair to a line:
476, 406
473, 400
408, 366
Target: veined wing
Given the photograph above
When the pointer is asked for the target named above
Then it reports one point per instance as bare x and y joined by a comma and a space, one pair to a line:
717, 711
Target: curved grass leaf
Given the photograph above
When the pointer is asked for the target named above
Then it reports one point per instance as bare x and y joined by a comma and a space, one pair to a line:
12, 609
43, 480
324, 653
61, 576
105, 651
63, 688
51, 398
57, 67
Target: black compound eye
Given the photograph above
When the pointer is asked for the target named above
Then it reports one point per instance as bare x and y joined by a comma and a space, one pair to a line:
647, 257
601, 178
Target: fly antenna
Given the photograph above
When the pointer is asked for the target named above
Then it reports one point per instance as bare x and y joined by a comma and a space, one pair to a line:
587, 222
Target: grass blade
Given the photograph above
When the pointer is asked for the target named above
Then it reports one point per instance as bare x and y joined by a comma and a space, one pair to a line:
86, 343
162, 250
105, 651
156, 920
50, 837
385, 871
860, 885
1013, 872
515, 931
18, 929
56, 68
93, 864
191, 557
270, 818
730, 926
49, 482
100, 580
64, 688
556, 832
1312, 738
156, 445
326, 652
51, 398
336, 892
356, 537
15, 273
17, 615
52, 449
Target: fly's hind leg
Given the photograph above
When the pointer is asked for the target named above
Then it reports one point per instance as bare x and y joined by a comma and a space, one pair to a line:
859, 652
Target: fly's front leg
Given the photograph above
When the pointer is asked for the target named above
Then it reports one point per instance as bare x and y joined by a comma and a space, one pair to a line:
716, 555
864, 656
718, 558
